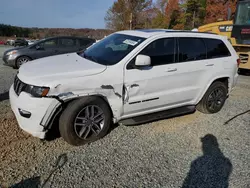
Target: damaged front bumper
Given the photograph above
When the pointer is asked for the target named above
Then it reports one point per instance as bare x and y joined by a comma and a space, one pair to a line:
33, 114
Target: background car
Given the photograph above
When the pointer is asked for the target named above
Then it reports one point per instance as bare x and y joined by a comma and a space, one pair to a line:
2, 42
10, 42
20, 42
45, 47
30, 42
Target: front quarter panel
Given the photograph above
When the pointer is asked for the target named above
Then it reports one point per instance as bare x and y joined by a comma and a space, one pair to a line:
108, 85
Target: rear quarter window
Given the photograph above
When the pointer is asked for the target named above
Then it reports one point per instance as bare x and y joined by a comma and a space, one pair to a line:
216, 48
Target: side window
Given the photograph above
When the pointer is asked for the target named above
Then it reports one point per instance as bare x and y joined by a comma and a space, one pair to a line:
216, 48
49, 44
161, 51
67, 42
191, 49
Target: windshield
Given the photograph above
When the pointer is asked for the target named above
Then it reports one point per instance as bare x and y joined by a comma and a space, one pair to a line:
243, 14
112, 49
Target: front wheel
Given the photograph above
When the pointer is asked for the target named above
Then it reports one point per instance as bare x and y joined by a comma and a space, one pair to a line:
21, 60
85, 120
214, 99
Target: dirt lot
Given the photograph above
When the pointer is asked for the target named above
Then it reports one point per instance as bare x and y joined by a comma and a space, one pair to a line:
164, 153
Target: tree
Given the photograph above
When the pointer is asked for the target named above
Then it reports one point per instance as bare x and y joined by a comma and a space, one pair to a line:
171, 11
217, 9
194, 13
125, 13
174, 19
159, 20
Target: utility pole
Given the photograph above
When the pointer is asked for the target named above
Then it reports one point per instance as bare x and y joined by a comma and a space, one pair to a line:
194, 19
131, 21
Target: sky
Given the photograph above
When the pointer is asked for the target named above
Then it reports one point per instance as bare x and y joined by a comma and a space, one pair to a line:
55, 13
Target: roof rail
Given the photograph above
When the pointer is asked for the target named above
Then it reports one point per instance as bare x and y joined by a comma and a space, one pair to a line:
186, 31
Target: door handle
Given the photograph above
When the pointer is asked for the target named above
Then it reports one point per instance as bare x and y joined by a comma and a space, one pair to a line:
209, 65
171, 69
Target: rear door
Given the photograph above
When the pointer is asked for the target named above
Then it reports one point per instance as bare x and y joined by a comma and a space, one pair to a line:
218, 54
194, 68
220, 59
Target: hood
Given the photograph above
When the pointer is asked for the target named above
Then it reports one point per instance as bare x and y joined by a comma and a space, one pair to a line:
16, 48
54, 68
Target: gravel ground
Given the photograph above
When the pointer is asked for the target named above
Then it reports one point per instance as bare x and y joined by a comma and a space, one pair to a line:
164, 153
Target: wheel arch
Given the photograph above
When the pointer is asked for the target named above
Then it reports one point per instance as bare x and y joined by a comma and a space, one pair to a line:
22, 56
64, 103
223, 79
105, 100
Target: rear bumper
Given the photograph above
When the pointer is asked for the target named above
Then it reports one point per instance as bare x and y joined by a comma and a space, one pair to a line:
233, 83
30, 111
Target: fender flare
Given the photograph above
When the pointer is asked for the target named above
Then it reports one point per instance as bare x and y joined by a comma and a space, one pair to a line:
210, 83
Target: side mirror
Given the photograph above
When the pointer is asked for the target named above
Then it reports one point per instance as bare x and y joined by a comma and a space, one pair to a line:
142, 61
38, 47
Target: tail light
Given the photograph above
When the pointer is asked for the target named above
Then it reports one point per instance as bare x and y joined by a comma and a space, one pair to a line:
238, 62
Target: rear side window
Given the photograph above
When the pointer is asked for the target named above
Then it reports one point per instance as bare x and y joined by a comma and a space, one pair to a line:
216, 48
191, 49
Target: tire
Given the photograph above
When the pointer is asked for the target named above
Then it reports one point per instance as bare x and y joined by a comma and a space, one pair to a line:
217, 93
21, 60
69, 120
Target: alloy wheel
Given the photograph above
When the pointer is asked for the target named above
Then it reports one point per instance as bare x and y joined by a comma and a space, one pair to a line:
89, 122
216, 99
22, 60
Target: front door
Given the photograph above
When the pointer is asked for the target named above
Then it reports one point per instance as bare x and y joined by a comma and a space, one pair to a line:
46, 48
146, 88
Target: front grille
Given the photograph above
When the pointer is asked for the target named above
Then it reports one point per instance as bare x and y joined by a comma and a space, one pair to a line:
243, 58
19, 86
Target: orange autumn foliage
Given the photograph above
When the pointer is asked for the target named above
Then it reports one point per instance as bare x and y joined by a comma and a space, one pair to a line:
171, 6
217, 9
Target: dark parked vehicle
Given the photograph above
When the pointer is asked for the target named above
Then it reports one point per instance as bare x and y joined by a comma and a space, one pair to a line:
20, 42
46, 47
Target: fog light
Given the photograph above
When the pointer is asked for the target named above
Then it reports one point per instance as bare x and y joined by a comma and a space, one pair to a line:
24, 113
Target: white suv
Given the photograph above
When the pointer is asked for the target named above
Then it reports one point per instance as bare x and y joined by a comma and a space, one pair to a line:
130, 77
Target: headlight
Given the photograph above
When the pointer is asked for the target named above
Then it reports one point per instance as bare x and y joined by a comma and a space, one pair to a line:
38, 91
12, 52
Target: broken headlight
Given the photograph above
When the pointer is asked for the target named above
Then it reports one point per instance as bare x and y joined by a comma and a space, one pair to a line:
36, 91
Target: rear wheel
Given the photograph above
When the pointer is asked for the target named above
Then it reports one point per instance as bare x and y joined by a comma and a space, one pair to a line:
85, 120
21, 60
214, 99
